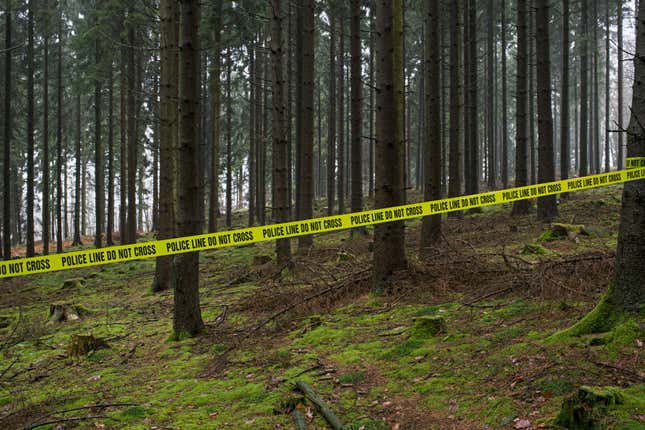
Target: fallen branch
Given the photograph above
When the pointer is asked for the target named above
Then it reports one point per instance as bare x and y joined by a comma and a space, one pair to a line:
299, 420
331, 418
72, 419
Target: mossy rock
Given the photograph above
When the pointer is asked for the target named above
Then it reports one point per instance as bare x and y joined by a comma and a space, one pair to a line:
560, 231
427, 327
534, 249
584, 409
74, 283
80, 346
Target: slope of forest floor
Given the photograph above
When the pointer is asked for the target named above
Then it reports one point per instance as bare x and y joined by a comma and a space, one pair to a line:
502, 285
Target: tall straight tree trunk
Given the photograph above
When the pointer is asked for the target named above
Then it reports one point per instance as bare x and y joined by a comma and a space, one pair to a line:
78, 180
291, 32
621, 134
627, 292
531, 95
454, 185
306, 140
595, 96
389, 239
331, 119
187, 313
521, 207
467, 123
565, 161
154, 107
356, 107
45, 167
213, 208
431, 227
59, 137
252, 125
110, 182
280, 147
30, 130
168, 119
607, 87
229, 149
6, 169
123, 174
341, 117
504, 102
370, 186
259, 137
474, 108
492, 162
547, 206
584, 87
132, 140
99, 190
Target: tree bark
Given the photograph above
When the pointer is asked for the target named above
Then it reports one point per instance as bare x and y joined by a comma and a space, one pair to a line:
168, 118
565, 160
132, 140
6, 169
547, 206
77, 182
584, 100
621, 134
110, 182
331, 119
229, 149
504, 102
389, 239
454, 184
306, 82
213, 211
187, 313
521, 207
356, 107
431, 226
341, 118
99, 191
59, 137
280, 147
607, 88
491, 161
30, 130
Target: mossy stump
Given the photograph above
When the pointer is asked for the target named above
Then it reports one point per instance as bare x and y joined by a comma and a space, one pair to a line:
585, 409
80, 346
561, 231
427, 327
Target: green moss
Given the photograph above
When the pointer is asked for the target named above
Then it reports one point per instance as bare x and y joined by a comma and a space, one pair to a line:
600, 320
557, 387
427, 327
404, 349
351, 378
587, 407
534, 249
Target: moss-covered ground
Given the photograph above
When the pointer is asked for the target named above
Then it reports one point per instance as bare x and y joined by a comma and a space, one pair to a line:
494, 366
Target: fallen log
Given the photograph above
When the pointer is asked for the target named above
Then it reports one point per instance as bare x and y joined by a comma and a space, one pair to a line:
299, 420
331, 418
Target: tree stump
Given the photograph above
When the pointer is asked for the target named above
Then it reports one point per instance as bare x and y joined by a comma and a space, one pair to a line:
80, 346
426, 327
584, 410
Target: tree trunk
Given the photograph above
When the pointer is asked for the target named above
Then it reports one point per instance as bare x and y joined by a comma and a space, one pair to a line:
123, 148
621, 134
521, 207
306, 81
607, 87
59, 137
77, 182
168, 118
187, 313
454, 185
331, 119
491, 159
229, 131
132, 140
110, 182
30, 130
431, 227
531, 94
565, 160
45, 168
280, 166
389, 239
341, 117
252, 126
584, 101
596, 99
213, 211
356, 107
504, 102
370, 186
547, 206
6, 169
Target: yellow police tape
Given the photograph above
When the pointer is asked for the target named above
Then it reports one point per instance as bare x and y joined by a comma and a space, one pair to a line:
158, 248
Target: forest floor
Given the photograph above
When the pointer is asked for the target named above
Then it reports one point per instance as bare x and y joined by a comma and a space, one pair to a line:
501, 285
